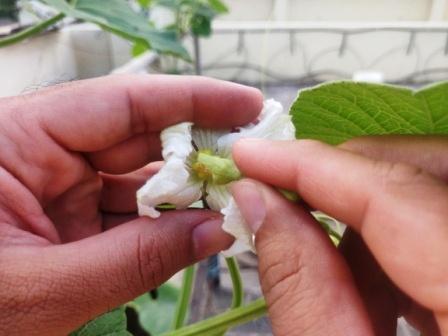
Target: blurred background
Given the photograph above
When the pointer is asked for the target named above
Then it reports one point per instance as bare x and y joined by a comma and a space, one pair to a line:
267, 43
279, 46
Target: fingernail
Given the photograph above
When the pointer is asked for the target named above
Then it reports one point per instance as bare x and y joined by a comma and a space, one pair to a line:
209, 238
251, 203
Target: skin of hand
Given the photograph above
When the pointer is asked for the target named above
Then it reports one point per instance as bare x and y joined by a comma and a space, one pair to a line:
392, 261
71, 245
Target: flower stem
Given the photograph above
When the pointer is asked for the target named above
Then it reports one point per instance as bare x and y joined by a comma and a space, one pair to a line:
33, 30
237, 283
220, 323
184, 298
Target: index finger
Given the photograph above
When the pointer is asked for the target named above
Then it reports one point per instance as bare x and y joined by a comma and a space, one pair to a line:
399, 210
429, 152
95, 114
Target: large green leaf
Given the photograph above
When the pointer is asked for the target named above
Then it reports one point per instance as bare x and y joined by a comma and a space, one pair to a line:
156, 315
336, 112
109, 324
218, 6
118, 17
144, 3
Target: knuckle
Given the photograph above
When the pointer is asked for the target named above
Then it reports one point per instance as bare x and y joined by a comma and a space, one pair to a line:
287, 289
287, 283
282, 273
154, 256
309, 145
398, 173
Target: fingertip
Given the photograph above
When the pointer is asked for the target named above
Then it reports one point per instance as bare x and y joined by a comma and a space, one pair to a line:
246, 102
209, 239
245, 147
225, 104
248, 195
254, 101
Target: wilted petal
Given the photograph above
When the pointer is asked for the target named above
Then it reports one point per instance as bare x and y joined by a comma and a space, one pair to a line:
235, 224
172, 185
176, 141
273, 124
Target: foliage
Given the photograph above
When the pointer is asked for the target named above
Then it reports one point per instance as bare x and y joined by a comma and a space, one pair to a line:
336, 112
194, 16
118, 17
144, 3
190, 17
109, 324
156, 314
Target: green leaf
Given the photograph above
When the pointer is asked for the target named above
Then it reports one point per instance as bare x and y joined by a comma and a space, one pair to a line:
109, 324
174, 4
118, 17
138, 49
156, 315
218, 6
144, 3
203, 10
338, 111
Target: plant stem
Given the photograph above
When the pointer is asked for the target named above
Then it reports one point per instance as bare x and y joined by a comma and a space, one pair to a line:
237, 286
237, 283
184, 298
33, 30
224, 321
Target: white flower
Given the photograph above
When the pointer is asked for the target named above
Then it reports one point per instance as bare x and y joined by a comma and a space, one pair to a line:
198, 164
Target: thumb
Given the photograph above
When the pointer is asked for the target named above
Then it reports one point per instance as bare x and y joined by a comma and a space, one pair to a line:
308, 287
96, 274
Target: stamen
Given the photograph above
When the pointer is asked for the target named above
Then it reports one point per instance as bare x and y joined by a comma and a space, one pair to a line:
204, 195
196, 148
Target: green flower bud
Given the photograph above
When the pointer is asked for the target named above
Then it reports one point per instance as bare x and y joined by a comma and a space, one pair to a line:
214, 169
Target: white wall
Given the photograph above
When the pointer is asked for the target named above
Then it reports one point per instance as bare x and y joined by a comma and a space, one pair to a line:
285, 51
333, 10
298, 52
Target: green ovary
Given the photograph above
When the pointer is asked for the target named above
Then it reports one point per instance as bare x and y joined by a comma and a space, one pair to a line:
214, 169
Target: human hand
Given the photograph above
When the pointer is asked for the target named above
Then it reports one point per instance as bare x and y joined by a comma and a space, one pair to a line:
58, 268
392, 194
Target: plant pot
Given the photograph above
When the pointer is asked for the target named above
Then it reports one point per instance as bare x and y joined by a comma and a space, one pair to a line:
74, 52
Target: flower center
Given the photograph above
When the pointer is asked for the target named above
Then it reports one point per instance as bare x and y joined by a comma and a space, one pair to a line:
215, 169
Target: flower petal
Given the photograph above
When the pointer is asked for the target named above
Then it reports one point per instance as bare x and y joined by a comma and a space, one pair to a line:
235, 224
207, 138
172, 184
176, 141
273, 124
218, 196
